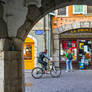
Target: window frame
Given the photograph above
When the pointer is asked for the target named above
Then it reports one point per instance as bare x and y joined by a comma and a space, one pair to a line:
83, 12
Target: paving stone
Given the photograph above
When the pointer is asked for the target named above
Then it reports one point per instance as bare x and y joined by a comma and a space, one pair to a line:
77, 81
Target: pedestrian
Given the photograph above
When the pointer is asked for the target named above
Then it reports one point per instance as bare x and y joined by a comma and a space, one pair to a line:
69, 57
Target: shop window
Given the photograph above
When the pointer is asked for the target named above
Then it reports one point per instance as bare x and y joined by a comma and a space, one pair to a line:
81, 50
68, 44
79, 9
28, 52
84, 47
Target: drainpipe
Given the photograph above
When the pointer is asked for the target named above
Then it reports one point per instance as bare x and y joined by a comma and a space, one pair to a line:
49, 34
44, 28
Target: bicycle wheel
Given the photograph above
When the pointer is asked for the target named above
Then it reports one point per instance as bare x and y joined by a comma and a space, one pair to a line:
37, 72
55, 72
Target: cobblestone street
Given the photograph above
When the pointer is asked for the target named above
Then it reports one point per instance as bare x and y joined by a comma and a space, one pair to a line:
77, 81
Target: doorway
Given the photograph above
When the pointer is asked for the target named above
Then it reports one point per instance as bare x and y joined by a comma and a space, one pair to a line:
29, 54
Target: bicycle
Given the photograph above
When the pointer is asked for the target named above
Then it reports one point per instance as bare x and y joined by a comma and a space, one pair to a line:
38, 72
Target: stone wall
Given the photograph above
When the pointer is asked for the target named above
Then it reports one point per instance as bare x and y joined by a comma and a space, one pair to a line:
13, 74
15, 15
11, 65
1, 71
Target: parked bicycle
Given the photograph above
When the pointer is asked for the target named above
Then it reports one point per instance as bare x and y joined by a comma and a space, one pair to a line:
53, 70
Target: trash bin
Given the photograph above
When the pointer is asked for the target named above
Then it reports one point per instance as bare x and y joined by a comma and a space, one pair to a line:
81, 65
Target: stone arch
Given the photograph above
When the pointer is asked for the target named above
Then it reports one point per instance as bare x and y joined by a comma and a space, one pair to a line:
77, 25
46, 7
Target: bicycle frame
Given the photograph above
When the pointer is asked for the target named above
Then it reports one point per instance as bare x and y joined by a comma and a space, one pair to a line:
50, 66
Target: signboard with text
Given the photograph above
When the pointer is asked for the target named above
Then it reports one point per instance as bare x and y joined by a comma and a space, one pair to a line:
77, 33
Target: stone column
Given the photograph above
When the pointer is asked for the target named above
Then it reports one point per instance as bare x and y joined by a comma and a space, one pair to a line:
56, 46
2, 42
11, 65
13, 73
11, 60
1, 71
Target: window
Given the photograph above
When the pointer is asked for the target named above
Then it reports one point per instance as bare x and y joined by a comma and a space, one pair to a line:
28, 52
66, 45
62, 11
79, 9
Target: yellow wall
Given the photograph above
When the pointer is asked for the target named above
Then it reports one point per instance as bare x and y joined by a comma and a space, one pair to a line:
29, 62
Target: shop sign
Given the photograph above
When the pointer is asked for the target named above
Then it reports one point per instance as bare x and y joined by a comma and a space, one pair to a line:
76, 36
78, 33
38, 32
81, 31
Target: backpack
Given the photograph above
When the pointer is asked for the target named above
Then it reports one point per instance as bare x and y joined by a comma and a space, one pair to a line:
70, 56
41, 55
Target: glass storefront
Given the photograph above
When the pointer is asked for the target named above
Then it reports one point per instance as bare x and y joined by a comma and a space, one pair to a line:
79, 41
68, 44
84, 53
81, 50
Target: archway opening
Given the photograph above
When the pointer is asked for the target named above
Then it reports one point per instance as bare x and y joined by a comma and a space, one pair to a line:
55, 35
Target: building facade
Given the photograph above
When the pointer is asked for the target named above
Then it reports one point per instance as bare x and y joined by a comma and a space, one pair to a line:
71, 28
37, 41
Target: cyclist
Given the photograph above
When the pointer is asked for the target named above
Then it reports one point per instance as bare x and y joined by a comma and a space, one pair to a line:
41, 57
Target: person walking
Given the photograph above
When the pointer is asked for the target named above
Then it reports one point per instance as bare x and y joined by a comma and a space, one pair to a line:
69, 57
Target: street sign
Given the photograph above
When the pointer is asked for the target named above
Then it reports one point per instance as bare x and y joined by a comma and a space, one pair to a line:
38, 32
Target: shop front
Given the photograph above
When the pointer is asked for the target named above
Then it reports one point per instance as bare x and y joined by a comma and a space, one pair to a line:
79, 41
29, 61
